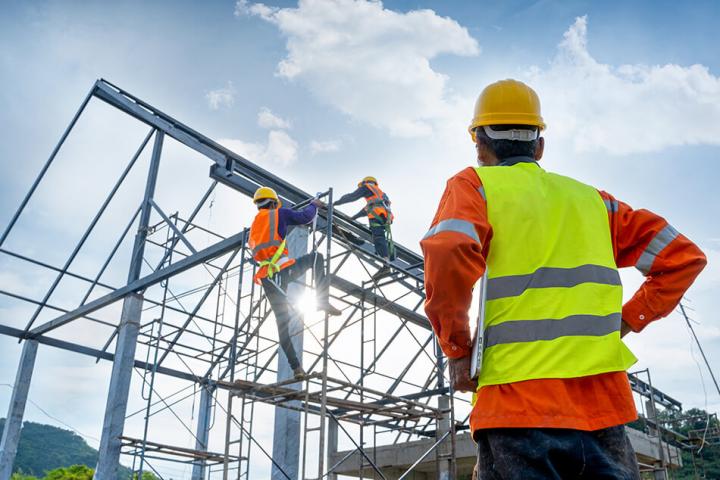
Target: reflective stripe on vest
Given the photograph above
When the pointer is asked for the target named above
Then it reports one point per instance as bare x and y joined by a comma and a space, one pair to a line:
546, 277
554, 296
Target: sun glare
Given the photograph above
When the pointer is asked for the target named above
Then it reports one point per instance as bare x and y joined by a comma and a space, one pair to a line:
307, 303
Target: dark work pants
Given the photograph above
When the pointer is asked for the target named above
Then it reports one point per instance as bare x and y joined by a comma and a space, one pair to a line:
379, 240
279, 301
547, 453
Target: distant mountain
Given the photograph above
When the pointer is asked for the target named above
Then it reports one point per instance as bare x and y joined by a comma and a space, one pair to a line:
44, 447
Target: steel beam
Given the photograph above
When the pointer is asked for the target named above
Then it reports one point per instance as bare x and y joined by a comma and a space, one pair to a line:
213, 251
95, 353
229, 163
45, 168
16, 409
380, 301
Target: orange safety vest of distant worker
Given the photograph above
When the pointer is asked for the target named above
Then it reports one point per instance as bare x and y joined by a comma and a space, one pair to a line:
376, 208
268, 247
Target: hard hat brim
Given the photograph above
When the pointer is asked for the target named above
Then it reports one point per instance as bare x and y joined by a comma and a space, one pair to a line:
506, 120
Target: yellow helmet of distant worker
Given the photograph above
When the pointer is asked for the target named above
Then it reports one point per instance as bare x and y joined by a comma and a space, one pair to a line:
265, 193
507, 102
367, 179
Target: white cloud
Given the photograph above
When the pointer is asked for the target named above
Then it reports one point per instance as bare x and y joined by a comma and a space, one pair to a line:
267, 119
709, 279
280, 149
325, 146
367, 61
222, 97
627, 108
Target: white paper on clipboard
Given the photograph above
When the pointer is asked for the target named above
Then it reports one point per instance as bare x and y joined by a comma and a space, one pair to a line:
477, 347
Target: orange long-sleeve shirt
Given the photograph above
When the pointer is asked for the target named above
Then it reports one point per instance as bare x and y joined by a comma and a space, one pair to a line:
455, 261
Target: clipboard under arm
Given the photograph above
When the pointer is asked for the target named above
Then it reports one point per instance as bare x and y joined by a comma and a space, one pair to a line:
477, 347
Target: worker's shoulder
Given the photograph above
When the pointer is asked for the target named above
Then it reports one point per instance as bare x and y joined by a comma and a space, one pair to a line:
287, 212
464, 176
566, 178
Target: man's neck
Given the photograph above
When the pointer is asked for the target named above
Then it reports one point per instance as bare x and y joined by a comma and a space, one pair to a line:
510, 161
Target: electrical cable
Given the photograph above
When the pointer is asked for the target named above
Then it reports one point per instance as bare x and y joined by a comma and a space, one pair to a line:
54, 418
702, 377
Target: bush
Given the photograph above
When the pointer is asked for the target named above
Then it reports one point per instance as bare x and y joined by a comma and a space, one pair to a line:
76, 472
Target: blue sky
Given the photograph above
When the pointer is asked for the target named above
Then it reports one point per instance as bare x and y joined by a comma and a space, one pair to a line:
630, 92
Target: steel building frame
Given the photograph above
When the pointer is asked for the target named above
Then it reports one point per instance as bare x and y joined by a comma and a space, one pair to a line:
236, 367
240, 354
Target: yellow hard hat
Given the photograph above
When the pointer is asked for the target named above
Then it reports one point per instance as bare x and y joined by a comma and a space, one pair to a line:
367, 179
265, 193
507, 102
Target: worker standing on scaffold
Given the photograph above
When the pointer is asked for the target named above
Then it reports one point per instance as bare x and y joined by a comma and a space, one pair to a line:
380, 217
276, 268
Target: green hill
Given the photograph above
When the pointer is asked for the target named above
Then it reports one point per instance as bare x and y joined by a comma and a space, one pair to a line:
44, 447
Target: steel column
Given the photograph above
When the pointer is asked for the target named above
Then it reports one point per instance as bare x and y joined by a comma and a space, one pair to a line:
116, 407
16, 409
286, 438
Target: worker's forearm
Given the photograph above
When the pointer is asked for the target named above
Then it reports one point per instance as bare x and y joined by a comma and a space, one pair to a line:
669, 261
454, 261
665, 286
350, 197
448, 288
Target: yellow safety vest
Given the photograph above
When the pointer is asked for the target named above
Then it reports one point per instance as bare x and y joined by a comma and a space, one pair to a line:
554, 297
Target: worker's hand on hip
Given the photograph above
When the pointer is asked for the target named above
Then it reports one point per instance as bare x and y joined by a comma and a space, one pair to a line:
460, 375
624, 329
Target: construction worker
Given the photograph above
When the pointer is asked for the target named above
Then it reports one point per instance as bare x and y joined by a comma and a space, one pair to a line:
276, 268
552, 394
380, 217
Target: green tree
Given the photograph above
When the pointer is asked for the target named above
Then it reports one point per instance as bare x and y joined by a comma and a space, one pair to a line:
20, 476
76, 472
694, 423
146, 476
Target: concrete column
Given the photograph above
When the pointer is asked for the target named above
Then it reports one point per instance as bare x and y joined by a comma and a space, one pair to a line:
16, 409
286, 438
443, 454
332, 447
203, 429
116, 406
444, 450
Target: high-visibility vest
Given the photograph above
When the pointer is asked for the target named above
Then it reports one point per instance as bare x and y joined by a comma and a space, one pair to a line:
554, 297
376, 207
268, 247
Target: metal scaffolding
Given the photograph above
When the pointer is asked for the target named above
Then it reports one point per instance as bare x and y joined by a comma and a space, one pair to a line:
375, 375
194, 317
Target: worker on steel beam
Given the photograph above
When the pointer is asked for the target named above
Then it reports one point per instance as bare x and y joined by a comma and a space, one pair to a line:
380, 217
552, 394
276, 268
